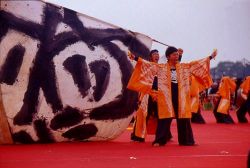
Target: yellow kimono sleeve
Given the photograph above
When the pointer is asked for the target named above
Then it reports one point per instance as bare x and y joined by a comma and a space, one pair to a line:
201, 70
245, 86
140, 119
195, 89
142, 77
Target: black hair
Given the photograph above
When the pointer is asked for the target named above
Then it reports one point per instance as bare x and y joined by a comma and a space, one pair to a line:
170, 50
152, 51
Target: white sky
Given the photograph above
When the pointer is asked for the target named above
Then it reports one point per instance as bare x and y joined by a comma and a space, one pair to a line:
197, 26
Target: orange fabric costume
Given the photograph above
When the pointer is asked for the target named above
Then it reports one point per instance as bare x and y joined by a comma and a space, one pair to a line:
196, 87
243, 91
226, 88
143, 75
140, 126
245, 86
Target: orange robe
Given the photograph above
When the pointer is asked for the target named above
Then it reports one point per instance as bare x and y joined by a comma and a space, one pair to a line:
140, 126
195, 89
245, 86
243, 91
143, 126
142, 80
226, 88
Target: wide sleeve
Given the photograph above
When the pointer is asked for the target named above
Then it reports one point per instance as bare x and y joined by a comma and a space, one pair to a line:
201, 70
196, 86
245, 86
142, 77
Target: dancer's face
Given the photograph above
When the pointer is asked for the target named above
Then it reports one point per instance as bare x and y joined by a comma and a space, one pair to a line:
174, 57
155, 57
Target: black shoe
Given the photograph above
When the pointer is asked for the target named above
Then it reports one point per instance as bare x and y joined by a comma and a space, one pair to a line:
197, 118
136, 138
228, 119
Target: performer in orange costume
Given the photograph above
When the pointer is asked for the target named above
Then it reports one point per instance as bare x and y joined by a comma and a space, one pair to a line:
226, 89
196, 87
146, 115
245, 96
173, 95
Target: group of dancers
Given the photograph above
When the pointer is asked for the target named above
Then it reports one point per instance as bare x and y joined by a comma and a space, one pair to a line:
172, 90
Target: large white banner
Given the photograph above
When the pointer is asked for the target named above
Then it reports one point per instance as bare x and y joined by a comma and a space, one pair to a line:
64, 74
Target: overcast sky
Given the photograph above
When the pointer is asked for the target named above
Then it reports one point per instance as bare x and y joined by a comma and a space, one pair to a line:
197, 26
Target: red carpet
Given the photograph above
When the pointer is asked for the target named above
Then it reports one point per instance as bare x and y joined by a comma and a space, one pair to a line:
219, 146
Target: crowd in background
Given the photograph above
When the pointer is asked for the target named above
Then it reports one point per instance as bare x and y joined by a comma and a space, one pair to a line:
231, 92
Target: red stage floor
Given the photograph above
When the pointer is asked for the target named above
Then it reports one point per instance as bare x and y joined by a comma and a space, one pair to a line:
219, 146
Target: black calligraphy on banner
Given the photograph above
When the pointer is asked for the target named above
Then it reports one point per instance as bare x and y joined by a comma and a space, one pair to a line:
42, 75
